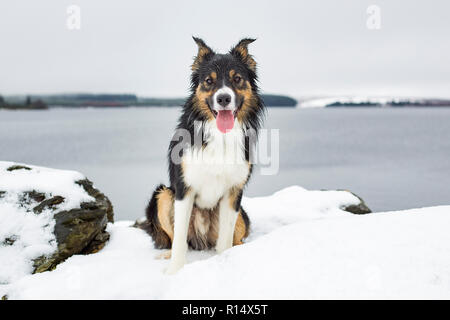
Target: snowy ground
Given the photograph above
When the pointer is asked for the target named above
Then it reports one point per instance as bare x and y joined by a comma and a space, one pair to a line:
301, 246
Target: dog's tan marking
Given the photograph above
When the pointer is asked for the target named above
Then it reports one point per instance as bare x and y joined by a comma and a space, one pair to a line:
206, 86
200, 102
164, 205
248, 59
232, 74
249, 101
240, 230
202, 52
242, 49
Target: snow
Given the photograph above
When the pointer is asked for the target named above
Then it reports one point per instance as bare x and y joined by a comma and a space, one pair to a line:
323, 102
302, 245
294, 204
49, 181
31, 235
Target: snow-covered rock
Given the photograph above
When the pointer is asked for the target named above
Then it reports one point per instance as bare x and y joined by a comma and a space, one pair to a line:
302, 245
46, 216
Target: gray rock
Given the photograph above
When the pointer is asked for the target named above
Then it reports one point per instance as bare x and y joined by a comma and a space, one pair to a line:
360, 208
77, 231
18, 167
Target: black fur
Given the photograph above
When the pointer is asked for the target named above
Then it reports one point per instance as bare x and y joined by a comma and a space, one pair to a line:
246, 219
237, 203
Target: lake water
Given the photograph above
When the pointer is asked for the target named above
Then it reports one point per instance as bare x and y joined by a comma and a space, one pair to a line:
392, 158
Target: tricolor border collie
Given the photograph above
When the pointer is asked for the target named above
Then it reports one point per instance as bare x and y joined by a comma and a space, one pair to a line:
209, 158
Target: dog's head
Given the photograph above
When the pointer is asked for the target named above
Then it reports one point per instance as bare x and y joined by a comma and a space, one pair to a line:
224, 86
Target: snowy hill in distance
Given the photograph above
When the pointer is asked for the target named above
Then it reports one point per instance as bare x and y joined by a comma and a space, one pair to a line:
367, 101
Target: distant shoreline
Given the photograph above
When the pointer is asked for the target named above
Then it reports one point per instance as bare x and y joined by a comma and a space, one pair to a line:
44, 102
373, 102
123, 100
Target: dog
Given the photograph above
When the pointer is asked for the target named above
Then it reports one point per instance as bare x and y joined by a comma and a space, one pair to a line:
202, 207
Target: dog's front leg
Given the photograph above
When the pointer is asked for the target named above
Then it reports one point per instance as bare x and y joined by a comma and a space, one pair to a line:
227, 222
183, 210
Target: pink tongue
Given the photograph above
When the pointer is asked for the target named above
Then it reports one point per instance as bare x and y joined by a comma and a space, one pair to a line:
225, 121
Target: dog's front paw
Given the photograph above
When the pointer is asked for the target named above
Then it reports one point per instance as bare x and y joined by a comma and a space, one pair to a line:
165, 255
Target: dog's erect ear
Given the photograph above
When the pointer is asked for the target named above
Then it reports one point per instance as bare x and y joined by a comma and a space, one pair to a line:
203, 52
241, 51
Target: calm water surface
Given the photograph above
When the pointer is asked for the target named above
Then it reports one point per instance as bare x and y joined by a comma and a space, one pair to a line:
393, 158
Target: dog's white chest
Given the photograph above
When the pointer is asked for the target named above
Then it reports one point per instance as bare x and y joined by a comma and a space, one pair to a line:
211, 171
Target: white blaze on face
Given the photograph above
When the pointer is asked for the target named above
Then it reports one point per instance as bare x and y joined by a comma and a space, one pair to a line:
224, 90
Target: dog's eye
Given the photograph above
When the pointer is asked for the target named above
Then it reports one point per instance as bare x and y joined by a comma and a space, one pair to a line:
209, 81
237, 79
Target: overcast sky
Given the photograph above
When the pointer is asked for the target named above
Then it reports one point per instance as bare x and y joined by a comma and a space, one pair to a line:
308, 48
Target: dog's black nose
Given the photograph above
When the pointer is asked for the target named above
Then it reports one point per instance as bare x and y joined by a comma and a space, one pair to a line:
224, 99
